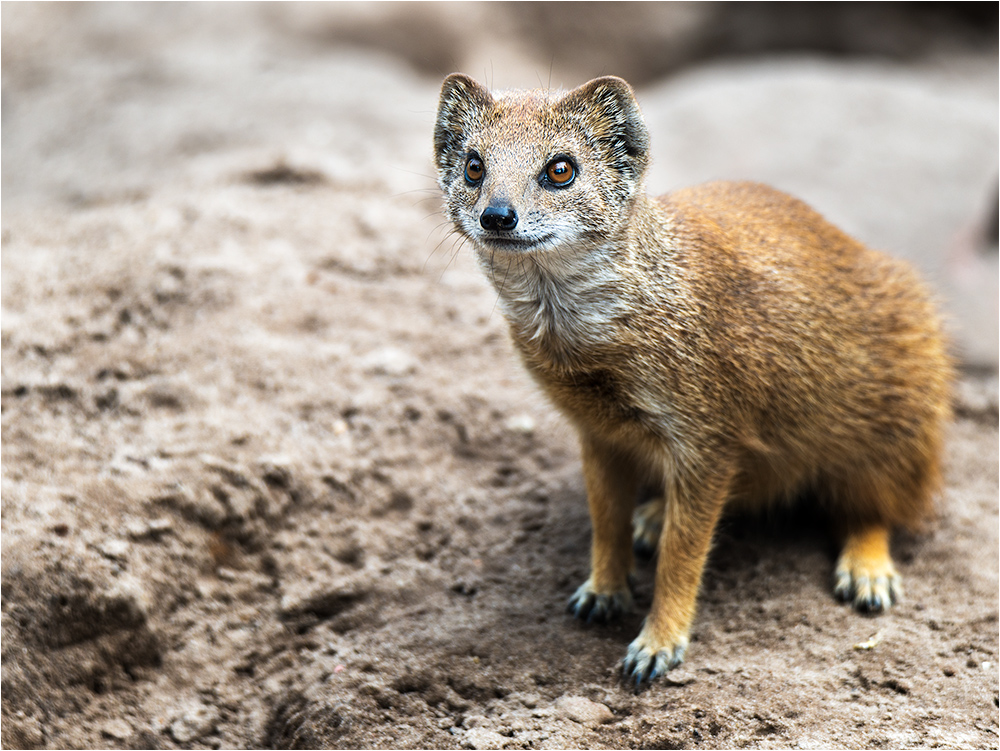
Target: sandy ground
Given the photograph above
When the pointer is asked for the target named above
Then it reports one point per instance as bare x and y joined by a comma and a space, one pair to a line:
272, 476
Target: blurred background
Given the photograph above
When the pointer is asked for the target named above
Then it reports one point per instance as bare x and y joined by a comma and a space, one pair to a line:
882, 115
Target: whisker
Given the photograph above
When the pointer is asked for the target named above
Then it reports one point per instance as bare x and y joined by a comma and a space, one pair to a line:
493, 274
503, 284
412, 172
450, 235
434, 250
429, 190
456, 248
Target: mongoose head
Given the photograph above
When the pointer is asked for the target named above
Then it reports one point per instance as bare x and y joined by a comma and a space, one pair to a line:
537, 171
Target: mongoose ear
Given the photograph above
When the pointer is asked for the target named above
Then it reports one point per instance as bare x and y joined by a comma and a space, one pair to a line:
608, 110
462, 100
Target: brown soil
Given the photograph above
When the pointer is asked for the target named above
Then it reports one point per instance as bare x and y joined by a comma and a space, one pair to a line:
273, 477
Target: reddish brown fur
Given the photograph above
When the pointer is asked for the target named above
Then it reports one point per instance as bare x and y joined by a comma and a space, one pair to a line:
723, 340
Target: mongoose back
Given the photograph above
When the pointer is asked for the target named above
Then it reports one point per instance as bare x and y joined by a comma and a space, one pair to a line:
724, 343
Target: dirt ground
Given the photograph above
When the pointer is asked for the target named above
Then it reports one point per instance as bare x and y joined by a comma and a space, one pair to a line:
272, 475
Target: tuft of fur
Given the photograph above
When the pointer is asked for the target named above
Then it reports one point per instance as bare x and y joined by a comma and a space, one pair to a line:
724, 342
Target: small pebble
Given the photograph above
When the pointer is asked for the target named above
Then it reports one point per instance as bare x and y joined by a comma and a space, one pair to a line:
118, 729
139, 529
198, 720
114, 548
678, 678
480, 738
136, 529
160, 525
529, 700
389, 361
521, 424
583, 710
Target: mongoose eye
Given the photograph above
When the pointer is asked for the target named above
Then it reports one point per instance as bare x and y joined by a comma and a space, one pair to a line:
560, 172
474, 170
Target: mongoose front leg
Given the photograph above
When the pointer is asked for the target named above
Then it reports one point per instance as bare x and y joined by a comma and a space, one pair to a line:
865, 573
612, 483
689, 520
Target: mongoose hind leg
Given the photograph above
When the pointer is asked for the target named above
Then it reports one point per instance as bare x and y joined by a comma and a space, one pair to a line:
865, 574
612, 481
647, 524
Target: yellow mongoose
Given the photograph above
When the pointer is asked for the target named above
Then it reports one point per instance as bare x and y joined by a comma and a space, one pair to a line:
723, 341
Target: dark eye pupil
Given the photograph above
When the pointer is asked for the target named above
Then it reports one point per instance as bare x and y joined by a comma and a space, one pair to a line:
474, 169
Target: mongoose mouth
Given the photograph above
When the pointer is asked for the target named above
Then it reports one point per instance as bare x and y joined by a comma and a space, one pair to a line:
508, 244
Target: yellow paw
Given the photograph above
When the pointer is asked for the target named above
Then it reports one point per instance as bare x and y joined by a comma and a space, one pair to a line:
647, 660
871, 586
865, 574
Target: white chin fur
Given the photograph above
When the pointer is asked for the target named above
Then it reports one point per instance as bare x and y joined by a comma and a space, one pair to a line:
559, 294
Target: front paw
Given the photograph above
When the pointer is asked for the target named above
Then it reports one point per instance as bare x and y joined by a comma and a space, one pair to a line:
647, 660
592, 606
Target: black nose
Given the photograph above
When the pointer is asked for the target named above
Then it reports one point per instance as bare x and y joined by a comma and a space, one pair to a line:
499, 218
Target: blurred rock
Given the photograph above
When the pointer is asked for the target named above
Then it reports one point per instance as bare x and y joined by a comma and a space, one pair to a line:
561, 44
117, 729
196, 721
73, 598
583, 710
481, 738
903, 160
113, 548
389, 361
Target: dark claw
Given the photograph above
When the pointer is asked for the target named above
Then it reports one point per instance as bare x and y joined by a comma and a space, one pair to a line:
576, 605
867, 596
597, 608
873, 604
583, 605
641, 666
